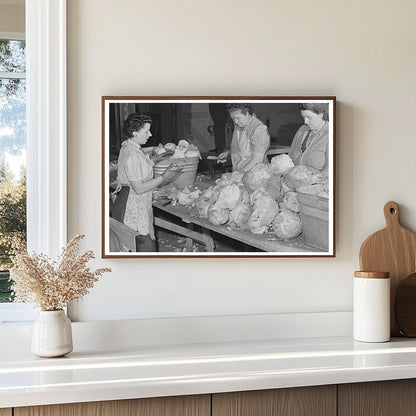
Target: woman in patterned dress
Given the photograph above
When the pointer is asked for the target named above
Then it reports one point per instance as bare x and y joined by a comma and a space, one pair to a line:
136, 182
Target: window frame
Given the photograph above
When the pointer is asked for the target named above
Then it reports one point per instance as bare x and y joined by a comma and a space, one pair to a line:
46, 138
46, 125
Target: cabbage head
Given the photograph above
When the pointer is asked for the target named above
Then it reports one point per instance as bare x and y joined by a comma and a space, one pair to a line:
290, 201
281, 164
192, 153
254, 224
211, 193
230, 178
245, 196
229, 196
273, 187
299, 176
257, 176
170, 146
183, 143
179, 153
240, 215
188, 198
207, 198
287, 225
202, 206
217, 215
265, 209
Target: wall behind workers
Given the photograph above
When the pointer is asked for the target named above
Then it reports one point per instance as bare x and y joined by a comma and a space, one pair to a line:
361, 52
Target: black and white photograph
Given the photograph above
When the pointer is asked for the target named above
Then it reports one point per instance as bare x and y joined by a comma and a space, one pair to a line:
218, 176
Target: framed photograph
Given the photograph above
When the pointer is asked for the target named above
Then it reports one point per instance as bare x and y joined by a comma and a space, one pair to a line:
218, 176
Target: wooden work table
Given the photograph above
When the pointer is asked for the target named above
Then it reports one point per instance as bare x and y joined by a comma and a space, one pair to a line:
201, 230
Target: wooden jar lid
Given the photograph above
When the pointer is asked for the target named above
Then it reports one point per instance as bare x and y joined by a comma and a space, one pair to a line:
372, 275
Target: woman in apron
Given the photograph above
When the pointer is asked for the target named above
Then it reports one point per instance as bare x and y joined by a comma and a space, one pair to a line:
133, 204
250, 140
310, 144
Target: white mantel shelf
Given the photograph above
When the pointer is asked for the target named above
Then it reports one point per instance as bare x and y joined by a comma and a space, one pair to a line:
212, 367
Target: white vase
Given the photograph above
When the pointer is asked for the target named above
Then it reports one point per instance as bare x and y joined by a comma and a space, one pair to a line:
52, 334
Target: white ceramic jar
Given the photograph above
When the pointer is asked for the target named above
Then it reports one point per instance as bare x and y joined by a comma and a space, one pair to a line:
52, 334
371, 306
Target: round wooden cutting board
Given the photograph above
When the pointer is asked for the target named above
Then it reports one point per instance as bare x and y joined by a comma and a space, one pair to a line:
393, 250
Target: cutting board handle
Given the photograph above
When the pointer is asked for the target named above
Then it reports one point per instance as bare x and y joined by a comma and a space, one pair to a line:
391, 214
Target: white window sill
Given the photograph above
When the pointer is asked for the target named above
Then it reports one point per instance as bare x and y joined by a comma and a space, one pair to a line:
16, 313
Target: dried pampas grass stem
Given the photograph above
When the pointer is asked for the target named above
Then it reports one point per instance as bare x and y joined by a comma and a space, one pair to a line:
53, 285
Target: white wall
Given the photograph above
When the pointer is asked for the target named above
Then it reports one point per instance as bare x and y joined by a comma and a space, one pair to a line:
360, 51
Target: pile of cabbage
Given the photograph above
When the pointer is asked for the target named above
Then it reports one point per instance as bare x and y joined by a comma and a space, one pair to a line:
262, 200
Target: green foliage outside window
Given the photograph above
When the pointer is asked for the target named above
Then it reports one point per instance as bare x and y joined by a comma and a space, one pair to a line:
12, 224
6, 294
12, 146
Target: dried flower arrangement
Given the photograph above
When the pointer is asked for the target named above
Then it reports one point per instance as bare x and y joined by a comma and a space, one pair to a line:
53, 285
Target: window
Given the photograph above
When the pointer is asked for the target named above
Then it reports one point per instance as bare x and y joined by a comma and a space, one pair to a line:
13, 153
46, 135
12, 165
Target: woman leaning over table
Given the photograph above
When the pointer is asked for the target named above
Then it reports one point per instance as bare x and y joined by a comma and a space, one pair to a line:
310, 144
133, 204
250, 139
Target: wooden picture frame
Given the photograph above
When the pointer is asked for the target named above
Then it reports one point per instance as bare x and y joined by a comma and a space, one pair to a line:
302, 127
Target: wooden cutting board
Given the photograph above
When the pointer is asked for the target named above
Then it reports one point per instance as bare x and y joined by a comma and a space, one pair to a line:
393, 250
